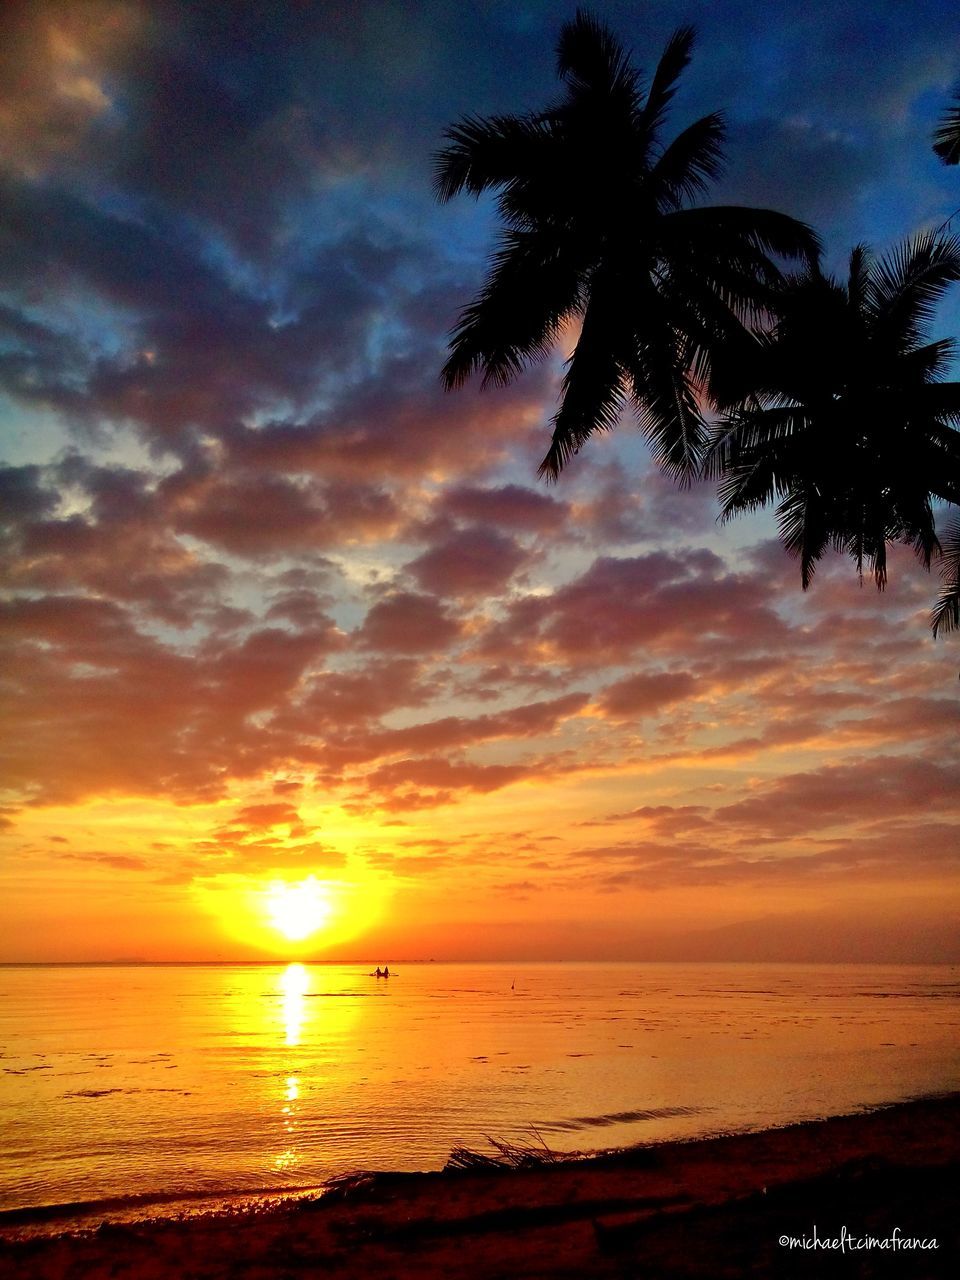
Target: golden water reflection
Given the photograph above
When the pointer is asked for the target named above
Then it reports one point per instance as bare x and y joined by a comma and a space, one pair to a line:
291, 1118
306, 1035
294, 985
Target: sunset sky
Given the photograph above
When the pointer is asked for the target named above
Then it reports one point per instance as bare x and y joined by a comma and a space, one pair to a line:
287, 623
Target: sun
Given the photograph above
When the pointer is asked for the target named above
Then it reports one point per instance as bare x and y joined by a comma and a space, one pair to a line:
297, 910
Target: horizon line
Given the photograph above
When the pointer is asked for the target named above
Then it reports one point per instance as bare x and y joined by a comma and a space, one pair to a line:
134, 963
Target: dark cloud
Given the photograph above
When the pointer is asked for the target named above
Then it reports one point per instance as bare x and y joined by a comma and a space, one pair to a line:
838, 795
471, 562
408, 622
24, 496
508, 506
96, 706
643, 506
527, 721
646, 694
429, 782
664, 818
256, 514
656, 601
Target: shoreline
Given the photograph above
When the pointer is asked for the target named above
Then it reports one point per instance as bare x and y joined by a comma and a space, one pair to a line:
83, 1217
701, 1207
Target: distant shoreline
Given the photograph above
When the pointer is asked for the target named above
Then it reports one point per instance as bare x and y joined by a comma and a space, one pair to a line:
678, 1208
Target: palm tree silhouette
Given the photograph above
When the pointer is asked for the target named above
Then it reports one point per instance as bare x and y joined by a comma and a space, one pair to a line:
841, 415
599, 226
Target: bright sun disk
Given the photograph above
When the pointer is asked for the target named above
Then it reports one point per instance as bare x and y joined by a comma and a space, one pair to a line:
297, 910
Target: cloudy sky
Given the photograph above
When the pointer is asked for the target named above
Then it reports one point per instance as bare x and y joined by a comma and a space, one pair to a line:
279, 610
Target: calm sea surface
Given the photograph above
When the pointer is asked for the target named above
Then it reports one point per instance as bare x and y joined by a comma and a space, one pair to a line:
144, 1084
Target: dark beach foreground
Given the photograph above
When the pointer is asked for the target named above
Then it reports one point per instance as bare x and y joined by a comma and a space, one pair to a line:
850, 1196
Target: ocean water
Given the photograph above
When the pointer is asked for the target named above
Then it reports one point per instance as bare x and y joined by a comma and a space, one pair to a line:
141, 1085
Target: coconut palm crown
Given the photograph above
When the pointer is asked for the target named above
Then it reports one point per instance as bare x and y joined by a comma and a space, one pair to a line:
841, 415
600, 228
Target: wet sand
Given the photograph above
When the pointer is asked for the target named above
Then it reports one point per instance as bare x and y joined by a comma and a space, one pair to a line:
711, 1209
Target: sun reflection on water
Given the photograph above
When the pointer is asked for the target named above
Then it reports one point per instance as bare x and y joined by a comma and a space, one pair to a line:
294, 985
309, 1037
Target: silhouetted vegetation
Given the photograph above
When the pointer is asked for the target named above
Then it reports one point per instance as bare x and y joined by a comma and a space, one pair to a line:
508, 1155
841, 414
825, 399
946, 139
600, 227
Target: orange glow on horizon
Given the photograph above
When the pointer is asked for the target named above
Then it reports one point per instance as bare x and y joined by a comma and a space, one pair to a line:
289, 916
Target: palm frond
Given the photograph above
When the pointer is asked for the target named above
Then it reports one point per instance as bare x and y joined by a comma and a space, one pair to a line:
591, 60
858, 278
691, 162
928, 364
484, 154
946, 138
906, 285
532, 287
922, 532
762, 229
754, 439
751, 482
664, 396
942, 470
946, 612
673, 61
803, 530
727, 260
592, 392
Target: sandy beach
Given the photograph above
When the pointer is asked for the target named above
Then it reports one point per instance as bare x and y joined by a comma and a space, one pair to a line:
854, 1196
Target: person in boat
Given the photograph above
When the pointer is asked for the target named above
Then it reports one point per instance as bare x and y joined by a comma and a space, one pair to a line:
378, 974
386, 971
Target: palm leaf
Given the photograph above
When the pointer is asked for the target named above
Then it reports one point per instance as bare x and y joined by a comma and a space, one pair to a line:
592, 393
516, 316
665, 400
591, 59
858, 279
907, 284
946, 139
484, 154
804, 530
691, 162
673, 61
761, 229
946, 612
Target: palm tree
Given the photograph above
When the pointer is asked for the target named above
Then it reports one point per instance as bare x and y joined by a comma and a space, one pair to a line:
599, 227
841, 414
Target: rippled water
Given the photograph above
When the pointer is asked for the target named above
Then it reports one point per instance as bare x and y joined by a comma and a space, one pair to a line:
142, 1082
